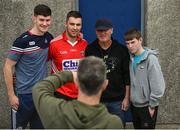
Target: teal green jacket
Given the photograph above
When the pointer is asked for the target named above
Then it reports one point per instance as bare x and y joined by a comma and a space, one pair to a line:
62, 114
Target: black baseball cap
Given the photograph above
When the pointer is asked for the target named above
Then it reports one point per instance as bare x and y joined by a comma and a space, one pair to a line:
103, 24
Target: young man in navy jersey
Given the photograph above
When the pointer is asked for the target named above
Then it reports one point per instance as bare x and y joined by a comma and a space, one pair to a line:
28, 58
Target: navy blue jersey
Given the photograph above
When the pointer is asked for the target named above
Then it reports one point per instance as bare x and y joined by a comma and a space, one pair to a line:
31, 53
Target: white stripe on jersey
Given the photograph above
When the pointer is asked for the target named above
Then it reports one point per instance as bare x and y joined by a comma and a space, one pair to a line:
25, 50
14, 122
17, 49
53, 67
31, 49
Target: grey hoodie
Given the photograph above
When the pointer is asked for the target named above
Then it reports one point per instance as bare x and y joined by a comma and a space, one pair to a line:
60, 114
147, 82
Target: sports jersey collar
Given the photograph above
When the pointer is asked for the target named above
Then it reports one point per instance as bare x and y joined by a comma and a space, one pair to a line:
31, 34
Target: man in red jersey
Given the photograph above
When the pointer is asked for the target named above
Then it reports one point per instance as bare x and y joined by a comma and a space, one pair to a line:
66, 50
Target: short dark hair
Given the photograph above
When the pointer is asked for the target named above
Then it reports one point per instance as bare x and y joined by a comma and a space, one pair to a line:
91, 75
43, 10
75, 14
131, 34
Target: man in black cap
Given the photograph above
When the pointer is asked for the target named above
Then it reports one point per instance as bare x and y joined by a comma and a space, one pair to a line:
116, 58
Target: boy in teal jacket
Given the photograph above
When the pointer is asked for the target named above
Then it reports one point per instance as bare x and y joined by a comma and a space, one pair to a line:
86, 112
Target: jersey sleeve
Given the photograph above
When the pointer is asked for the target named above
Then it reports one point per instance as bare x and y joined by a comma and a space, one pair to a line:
16, 50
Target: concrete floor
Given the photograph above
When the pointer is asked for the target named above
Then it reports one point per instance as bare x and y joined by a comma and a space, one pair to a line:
158, 126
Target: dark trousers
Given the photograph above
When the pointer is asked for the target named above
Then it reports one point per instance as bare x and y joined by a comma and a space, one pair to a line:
25, 114
142, 118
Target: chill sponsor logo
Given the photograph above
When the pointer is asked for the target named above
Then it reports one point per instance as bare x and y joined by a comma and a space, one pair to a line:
70, 64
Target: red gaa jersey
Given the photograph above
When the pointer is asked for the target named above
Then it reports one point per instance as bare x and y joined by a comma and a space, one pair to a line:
65, 55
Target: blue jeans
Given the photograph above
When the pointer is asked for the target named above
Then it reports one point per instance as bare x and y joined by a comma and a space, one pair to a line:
26, 113
115, 108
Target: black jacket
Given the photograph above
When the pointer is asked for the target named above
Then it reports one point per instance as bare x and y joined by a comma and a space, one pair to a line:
116, 58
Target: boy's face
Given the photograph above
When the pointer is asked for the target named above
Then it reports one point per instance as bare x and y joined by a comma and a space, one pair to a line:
42, 23
73, 27
134, 45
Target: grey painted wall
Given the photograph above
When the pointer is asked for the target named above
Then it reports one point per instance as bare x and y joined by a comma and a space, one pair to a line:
162, 31
15, 18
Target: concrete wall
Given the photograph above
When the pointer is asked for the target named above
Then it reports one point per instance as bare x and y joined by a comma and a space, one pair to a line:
162, 31
15, 18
